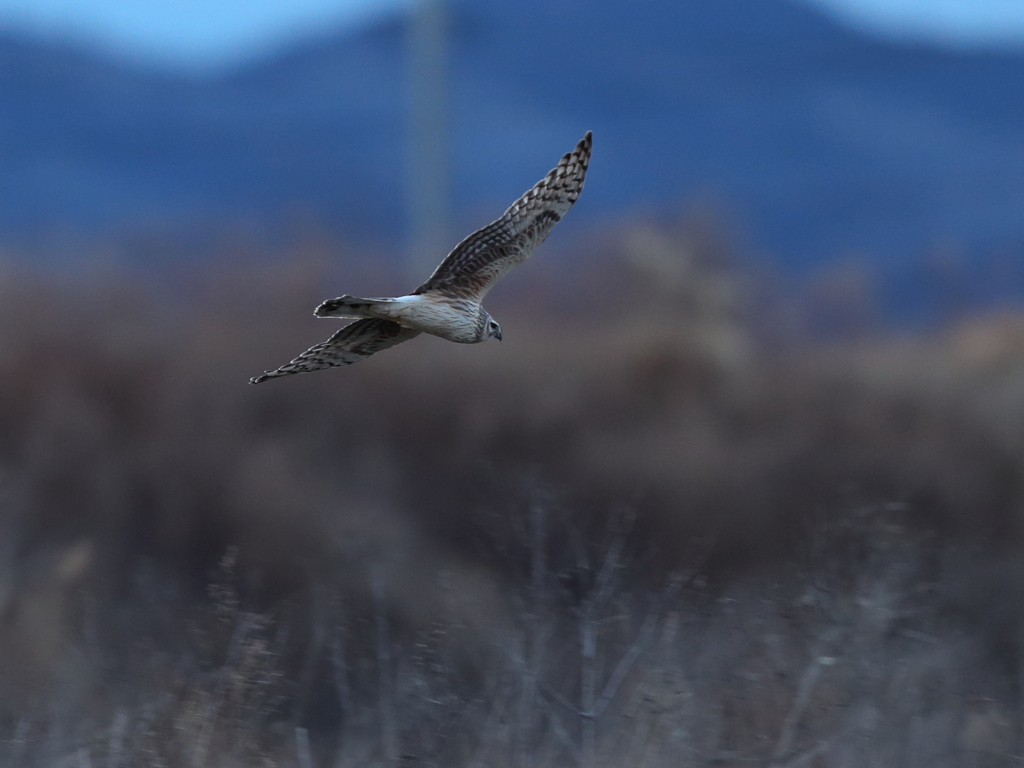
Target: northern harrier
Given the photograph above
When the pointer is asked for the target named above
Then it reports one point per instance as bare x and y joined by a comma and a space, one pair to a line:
449, 303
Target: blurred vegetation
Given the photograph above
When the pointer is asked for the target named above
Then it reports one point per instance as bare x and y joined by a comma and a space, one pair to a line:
676, 518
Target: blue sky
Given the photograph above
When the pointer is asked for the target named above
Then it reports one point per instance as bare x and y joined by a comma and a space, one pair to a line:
200, 33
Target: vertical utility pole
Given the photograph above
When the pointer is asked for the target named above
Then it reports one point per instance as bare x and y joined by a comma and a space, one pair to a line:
428, 138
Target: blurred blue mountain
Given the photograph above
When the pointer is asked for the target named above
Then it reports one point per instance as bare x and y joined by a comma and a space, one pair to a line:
818, 140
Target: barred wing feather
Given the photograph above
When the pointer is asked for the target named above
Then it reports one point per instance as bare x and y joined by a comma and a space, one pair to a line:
479, 261
351, 344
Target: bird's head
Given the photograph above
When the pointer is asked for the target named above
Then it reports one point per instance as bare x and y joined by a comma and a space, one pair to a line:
493, 329
489, 328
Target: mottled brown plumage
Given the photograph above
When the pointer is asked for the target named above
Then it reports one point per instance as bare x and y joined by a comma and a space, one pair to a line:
349, 345
479, 261
448, 303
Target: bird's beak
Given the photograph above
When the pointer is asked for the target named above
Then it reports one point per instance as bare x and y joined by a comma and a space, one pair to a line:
498, 335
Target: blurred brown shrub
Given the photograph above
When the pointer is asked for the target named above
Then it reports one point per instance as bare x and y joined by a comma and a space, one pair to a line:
133, 452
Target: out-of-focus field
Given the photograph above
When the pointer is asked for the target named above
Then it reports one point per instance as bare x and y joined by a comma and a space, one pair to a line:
659, 525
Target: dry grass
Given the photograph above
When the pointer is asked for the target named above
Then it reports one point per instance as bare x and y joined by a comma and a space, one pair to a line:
651, 530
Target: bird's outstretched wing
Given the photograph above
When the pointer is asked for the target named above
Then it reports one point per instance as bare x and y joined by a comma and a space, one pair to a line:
476, 264
349, 345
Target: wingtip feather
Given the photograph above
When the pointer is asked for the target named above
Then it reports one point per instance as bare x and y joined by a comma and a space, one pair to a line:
265, 375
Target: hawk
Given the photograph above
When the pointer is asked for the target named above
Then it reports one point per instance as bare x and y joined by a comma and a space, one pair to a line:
449, 303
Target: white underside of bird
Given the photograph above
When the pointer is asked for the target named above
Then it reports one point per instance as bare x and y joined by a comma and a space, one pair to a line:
452, 319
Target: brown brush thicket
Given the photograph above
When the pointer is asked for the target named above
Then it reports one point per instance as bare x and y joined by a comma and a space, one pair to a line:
648, 528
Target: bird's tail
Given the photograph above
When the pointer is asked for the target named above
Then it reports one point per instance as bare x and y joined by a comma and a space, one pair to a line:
352, 306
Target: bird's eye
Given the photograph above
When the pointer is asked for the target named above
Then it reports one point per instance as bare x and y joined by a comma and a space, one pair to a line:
494, 325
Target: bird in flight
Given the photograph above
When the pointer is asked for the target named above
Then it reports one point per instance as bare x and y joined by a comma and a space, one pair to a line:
449, 303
